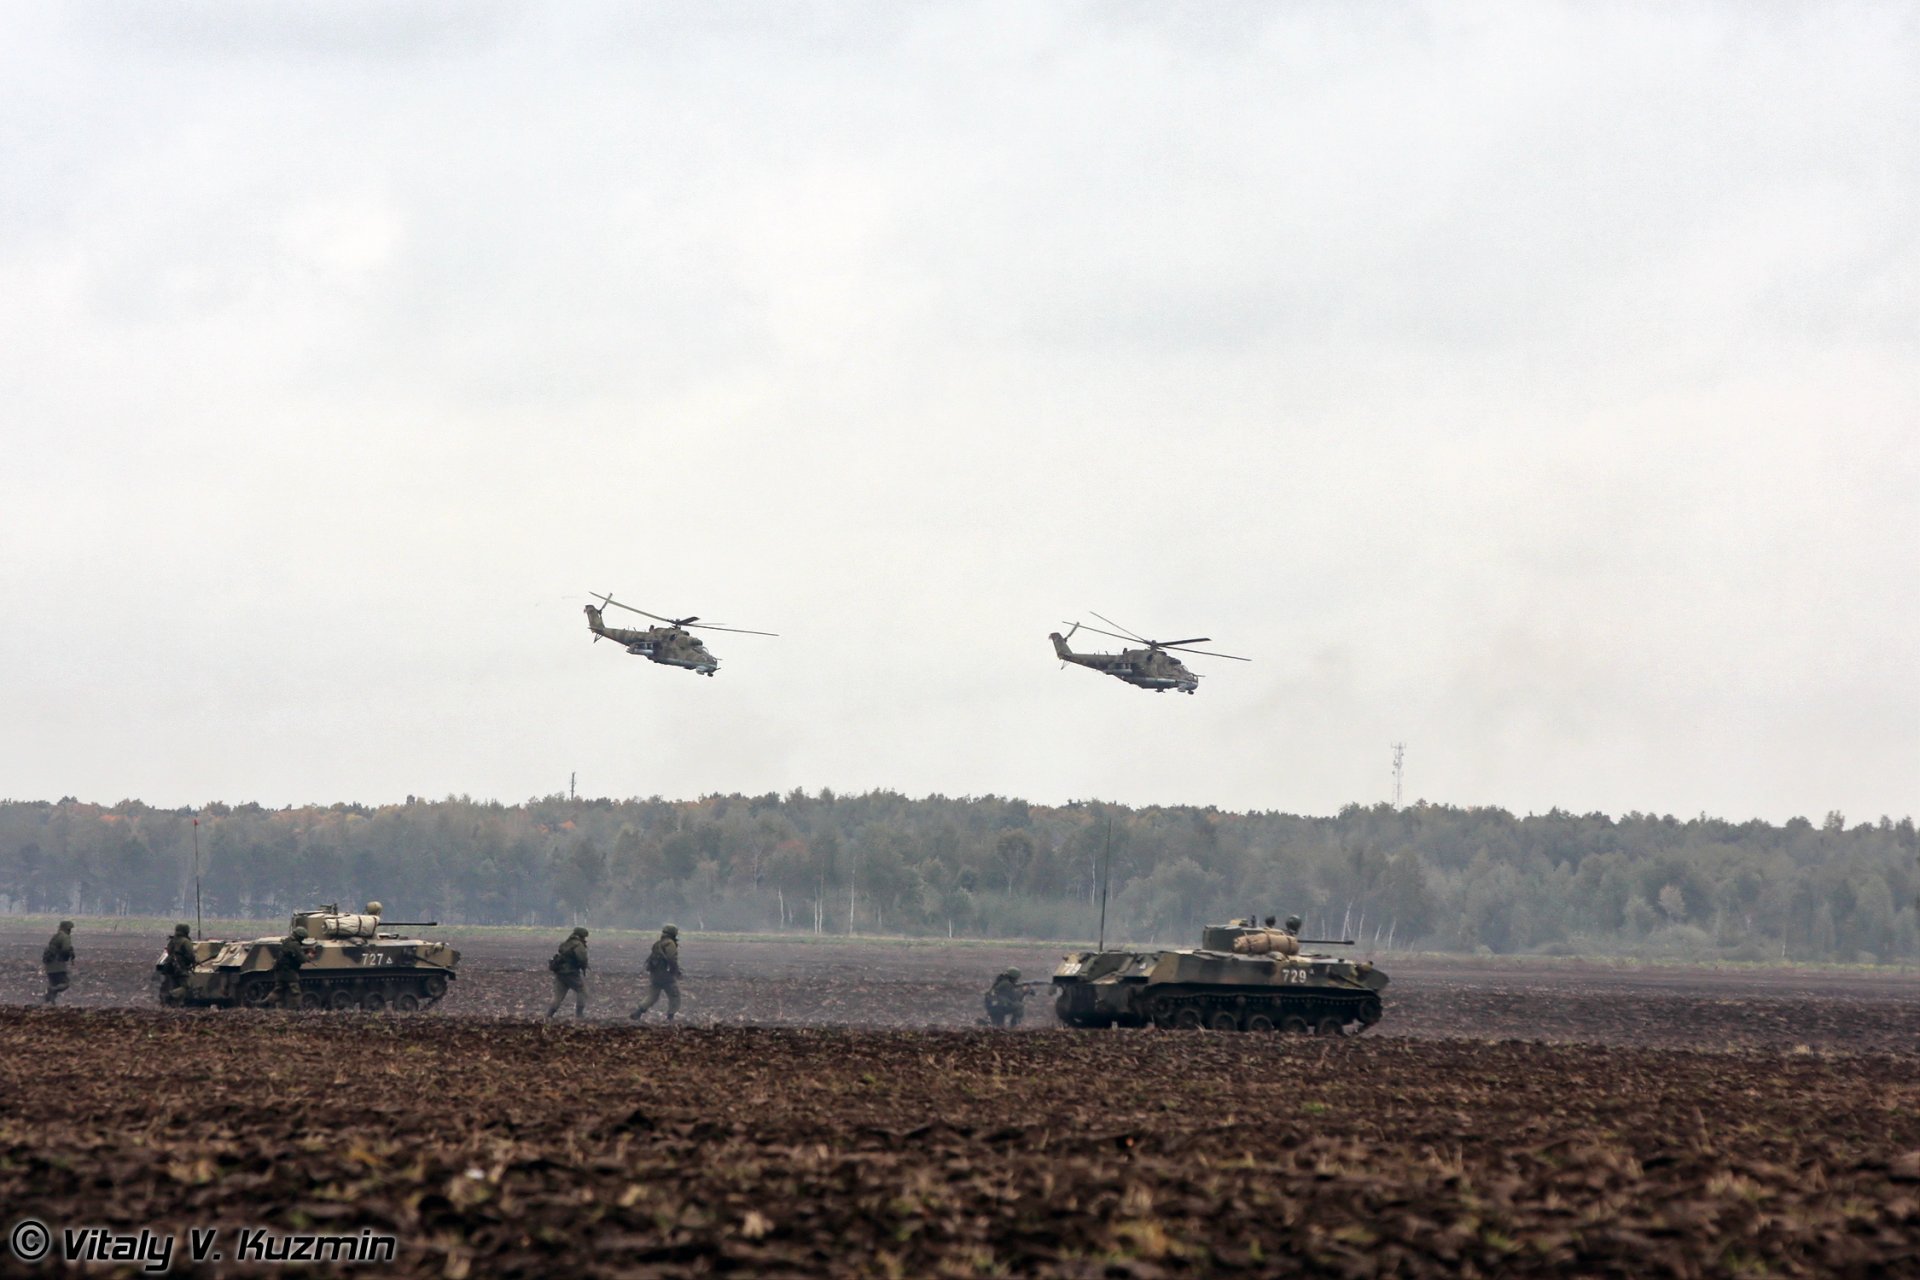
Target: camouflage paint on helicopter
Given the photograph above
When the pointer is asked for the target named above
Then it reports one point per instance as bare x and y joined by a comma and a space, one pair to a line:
1150, 668
671, 645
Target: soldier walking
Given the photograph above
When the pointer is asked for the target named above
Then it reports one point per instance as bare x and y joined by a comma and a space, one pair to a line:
569, 965
57, 960
286, 968
1007, 1000
178, 964
663, 973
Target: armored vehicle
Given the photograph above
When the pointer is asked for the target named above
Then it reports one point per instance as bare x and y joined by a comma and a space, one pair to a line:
352, 963
1242, 977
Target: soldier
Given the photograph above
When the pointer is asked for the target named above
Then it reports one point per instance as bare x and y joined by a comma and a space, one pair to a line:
1293, 925
1007, 1000
57, 959
286, 968
663, 973
569, 965
178, 964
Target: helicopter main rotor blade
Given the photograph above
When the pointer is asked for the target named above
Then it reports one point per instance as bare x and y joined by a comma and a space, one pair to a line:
739, 631
1112, 635
1205, 653
672, 622
1175, 644
1117, 627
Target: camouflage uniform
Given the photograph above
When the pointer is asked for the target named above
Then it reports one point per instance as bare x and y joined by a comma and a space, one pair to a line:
663, 974
57, 959
1007, 1000
286, 969
178, 964
569, 965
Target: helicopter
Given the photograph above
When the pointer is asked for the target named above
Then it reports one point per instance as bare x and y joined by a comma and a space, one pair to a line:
1150, 668
671, 644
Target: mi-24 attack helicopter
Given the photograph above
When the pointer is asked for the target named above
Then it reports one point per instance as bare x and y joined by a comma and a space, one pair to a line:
671, 644
1153, 667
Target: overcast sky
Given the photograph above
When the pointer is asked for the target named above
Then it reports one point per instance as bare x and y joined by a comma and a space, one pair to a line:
1536, 385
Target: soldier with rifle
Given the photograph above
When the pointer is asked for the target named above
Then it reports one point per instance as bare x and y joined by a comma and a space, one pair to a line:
177, 965
57, 959
569, 966
663, 973
1007, 999
286, 968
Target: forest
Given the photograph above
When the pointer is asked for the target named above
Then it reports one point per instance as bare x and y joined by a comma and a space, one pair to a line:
1423, 876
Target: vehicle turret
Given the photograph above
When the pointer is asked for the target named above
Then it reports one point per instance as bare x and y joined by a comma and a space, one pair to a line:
330, 922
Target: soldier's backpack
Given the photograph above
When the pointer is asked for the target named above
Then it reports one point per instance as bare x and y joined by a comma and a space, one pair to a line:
558, 964
48, 954
658, 962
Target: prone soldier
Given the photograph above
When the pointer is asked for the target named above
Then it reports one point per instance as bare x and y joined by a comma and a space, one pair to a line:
177, 965
57, 960
663, 973
569, 966
1007, 1000
286, 968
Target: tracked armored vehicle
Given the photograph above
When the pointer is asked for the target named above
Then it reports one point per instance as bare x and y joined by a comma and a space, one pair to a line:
353, 962
1242, 977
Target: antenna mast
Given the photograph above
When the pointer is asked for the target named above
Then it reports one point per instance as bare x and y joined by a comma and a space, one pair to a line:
198, 932
1399, 762
1106, 863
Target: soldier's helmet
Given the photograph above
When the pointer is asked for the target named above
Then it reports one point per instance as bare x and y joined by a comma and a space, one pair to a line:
374, 908
580, 933
1013, 974
1293, 924
66, 926
669, 930
300, 932
182, 930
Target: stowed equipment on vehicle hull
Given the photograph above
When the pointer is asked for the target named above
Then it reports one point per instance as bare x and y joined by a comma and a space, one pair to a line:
351, 964
1242, 978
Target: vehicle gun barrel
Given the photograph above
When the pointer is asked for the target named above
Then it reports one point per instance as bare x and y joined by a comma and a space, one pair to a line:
1327, 942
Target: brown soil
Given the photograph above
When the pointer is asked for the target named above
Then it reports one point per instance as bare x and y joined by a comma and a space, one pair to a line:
1678, 1123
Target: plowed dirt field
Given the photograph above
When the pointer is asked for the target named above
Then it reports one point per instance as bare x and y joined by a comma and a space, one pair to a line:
1663, 1124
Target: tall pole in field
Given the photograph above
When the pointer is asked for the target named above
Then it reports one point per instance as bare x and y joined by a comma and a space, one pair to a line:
198, 932
1106, 864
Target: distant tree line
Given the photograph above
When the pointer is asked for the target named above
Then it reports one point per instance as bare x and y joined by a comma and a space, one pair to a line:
1429, 876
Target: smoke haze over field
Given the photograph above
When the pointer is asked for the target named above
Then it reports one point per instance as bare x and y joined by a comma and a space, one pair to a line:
1539, 387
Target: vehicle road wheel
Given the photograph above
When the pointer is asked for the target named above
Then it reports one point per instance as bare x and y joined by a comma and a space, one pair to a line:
342, 998
312, 1000
1331, 1026
256, 992
374, 1001
1187, 1020
406, 1002
436, 986
1224, 1020
1370, 1012
1259, 1022
1294, 1025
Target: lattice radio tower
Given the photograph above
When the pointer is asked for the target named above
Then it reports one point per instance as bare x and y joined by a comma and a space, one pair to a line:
1399, 765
